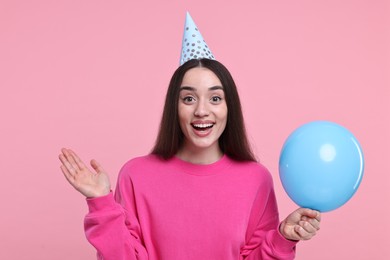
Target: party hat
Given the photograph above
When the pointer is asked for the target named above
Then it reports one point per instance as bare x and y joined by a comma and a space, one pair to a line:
193, 45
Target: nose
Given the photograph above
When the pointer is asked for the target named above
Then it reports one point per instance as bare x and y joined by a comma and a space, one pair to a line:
201, 109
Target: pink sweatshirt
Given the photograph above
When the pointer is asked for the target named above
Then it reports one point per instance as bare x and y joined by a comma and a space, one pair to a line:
176, 210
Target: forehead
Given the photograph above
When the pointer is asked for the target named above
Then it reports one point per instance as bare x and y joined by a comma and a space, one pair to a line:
200, 77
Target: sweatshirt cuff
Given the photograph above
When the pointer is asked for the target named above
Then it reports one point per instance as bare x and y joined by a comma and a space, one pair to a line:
284, 245
101, 203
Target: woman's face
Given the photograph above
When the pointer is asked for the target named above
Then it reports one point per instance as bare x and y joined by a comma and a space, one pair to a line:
202, 109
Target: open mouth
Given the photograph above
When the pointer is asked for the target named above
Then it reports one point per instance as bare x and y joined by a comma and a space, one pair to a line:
202, 127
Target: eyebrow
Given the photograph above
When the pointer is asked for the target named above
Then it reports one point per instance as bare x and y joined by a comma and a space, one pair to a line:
194, 89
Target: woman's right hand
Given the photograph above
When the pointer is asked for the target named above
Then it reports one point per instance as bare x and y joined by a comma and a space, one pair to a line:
88, 183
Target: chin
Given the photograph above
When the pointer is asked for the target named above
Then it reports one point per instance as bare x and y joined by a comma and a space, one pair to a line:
204, 145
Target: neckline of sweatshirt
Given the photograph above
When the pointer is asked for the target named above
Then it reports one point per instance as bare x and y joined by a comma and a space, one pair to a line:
217, 167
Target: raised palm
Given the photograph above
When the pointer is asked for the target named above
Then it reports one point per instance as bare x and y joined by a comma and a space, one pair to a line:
90, 184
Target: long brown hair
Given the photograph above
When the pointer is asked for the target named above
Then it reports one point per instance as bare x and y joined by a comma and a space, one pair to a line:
233, 141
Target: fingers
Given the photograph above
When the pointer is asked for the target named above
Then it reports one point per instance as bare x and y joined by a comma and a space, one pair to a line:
96, 166
67, 174
302, 224
303, 233
71, 164
71, 160
309, 224
70, 157
80, 164
314, 214
67, 167
314, 222
311, 213
308, 227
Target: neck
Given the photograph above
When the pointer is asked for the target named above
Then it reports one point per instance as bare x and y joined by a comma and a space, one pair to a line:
200, 156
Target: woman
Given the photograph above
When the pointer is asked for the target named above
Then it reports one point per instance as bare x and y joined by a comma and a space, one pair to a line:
200, 194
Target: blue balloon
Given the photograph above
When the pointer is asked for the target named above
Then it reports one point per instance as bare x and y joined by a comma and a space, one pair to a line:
321, 165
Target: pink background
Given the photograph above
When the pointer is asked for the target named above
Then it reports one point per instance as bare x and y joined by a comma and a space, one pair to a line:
92, 75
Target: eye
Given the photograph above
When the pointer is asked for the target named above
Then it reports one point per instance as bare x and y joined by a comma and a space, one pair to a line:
188, 99
216, 99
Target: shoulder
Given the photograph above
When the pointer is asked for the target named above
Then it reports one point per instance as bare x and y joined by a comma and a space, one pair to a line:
253, 170
141, 164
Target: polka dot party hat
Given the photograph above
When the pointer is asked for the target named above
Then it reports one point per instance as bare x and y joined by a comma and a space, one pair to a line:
193, 45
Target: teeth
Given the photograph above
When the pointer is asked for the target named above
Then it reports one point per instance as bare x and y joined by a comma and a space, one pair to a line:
203, 125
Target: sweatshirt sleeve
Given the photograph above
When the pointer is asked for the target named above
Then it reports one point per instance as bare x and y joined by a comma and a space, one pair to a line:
263, 239
112, 228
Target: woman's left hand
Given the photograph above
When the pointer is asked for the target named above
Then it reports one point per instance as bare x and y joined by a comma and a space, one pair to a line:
302, 224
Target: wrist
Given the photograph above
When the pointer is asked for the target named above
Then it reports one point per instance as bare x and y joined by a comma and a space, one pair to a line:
283, 231
98, 194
